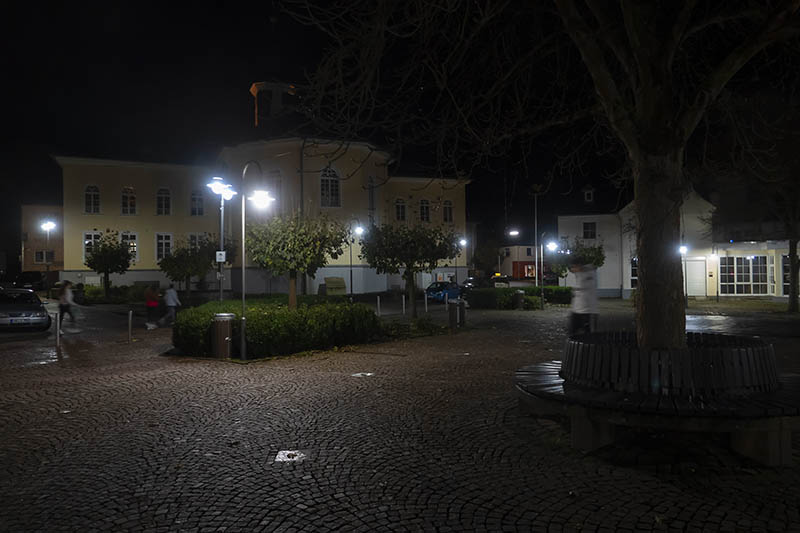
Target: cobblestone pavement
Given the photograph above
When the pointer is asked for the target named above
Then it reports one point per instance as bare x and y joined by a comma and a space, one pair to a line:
419, 434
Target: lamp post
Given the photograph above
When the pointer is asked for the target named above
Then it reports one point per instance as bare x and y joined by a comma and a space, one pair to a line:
513, 233
47, 226
463, 243
552, 246
358, 231
225, 193
683, 249
260, 199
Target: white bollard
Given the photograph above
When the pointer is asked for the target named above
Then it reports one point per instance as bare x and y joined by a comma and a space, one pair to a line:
130, 326
446, 300
379, 305
426, 302
404, 304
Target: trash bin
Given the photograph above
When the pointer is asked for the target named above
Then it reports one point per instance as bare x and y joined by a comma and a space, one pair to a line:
223, 333
462, 312
519, 299
456, 313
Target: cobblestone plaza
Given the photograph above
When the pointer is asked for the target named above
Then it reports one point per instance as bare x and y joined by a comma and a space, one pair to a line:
414, 435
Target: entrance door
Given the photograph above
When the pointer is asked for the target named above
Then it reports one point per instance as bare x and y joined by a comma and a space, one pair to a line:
695, 272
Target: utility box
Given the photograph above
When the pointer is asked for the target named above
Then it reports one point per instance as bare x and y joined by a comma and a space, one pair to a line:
223, 333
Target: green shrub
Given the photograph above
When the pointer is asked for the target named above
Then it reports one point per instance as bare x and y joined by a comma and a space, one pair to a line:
553, 294
272, 329
498, 297
116, 294
531, 302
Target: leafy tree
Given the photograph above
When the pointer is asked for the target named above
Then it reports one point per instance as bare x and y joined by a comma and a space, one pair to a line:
390, 249
295, 245
577, 254
486, 255
185, 261
642, 75
109, 256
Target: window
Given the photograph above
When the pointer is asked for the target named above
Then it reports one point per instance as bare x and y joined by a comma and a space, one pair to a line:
634, 272
197, 204
743, 275
91, 198
163, 204
195, 239
424, 211
589, 230
588, 196
771, 274
447, 212
130, 239
400, 210
528, 252
128, 201
786, 273
508, 252
42, 257
371, 199
90, 238
329, 193
163, 245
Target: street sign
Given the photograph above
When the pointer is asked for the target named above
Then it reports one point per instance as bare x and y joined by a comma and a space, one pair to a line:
220, 256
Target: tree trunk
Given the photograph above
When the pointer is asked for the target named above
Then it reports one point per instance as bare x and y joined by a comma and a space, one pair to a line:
794, 268
660, 313
188, 290
105, 285
293, 289
411, 291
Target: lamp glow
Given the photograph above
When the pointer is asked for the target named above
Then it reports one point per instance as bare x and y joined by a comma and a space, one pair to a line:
513, 233
463, 242
683, 250
49, 225
552, 246
359, 230
261, 199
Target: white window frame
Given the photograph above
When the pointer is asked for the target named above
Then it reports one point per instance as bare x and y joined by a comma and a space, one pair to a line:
400, 203
168, 197
171, 242
135, 240
95, 192
594, 230
93, 232
194, 196
771, 285
128, 194
588, 196
327, 177
196, 236
424, 210
447, 212
634, 272
742, 280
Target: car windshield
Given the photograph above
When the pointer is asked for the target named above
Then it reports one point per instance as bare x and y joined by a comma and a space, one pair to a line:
438, 285
18, 298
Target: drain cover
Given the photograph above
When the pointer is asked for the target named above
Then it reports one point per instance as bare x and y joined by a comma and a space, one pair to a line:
289, 456
363, 374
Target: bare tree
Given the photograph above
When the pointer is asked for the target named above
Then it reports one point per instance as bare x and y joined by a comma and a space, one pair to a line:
472, 79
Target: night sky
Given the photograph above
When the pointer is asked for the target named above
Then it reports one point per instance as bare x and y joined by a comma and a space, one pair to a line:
156, 82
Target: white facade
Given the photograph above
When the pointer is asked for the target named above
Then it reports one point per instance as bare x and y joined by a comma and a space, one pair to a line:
593, 230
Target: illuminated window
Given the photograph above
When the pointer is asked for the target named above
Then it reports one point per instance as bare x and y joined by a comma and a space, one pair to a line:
163, 245
424, 211
91, 199
128, 201
197, 204
447, 212
329, 192
130, 238
163, 202
90, 238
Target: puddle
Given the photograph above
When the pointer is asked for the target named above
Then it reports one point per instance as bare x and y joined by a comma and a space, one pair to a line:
362, 374
290, 456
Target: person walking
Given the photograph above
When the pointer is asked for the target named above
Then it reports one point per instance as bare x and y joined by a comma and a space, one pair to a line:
584, 299
172, 301
151, 303
65, 303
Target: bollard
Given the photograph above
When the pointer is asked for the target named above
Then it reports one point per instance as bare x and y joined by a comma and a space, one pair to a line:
404, 304
426, 302
58, 331
130, 326
379, 305
446, 299
462, 313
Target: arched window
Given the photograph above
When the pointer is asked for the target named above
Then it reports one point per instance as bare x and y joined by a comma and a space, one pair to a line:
424, 211
447, 211
163, 203
128, 201
329, 192
91, 199
197, 204
400, 210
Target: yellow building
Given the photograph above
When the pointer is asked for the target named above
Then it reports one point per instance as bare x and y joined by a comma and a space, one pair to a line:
154, 206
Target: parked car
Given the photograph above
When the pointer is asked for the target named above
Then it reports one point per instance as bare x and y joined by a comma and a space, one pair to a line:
500, 281
31, 279
475, 283
21, 308
438, 289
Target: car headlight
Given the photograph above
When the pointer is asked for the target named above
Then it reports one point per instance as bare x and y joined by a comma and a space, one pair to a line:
40, 313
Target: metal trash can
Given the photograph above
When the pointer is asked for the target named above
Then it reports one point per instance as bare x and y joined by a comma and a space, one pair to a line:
519, 299
456, 313
462, 312
223, 334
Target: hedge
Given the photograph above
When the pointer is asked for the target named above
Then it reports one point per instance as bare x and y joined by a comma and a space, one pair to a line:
273, 329
553, 294
501, 298
116, 294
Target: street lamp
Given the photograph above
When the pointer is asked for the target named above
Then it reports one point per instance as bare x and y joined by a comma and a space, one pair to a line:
358, 230
47, 226
683, 249
262, 200
218, 186
463, 243
552, 246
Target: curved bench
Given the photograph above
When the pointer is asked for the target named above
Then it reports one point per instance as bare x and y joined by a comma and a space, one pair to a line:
760, 424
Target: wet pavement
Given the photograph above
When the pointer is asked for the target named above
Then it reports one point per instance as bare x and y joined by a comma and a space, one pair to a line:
413, 435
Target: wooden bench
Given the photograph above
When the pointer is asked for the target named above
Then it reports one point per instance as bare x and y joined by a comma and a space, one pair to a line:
760, 424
